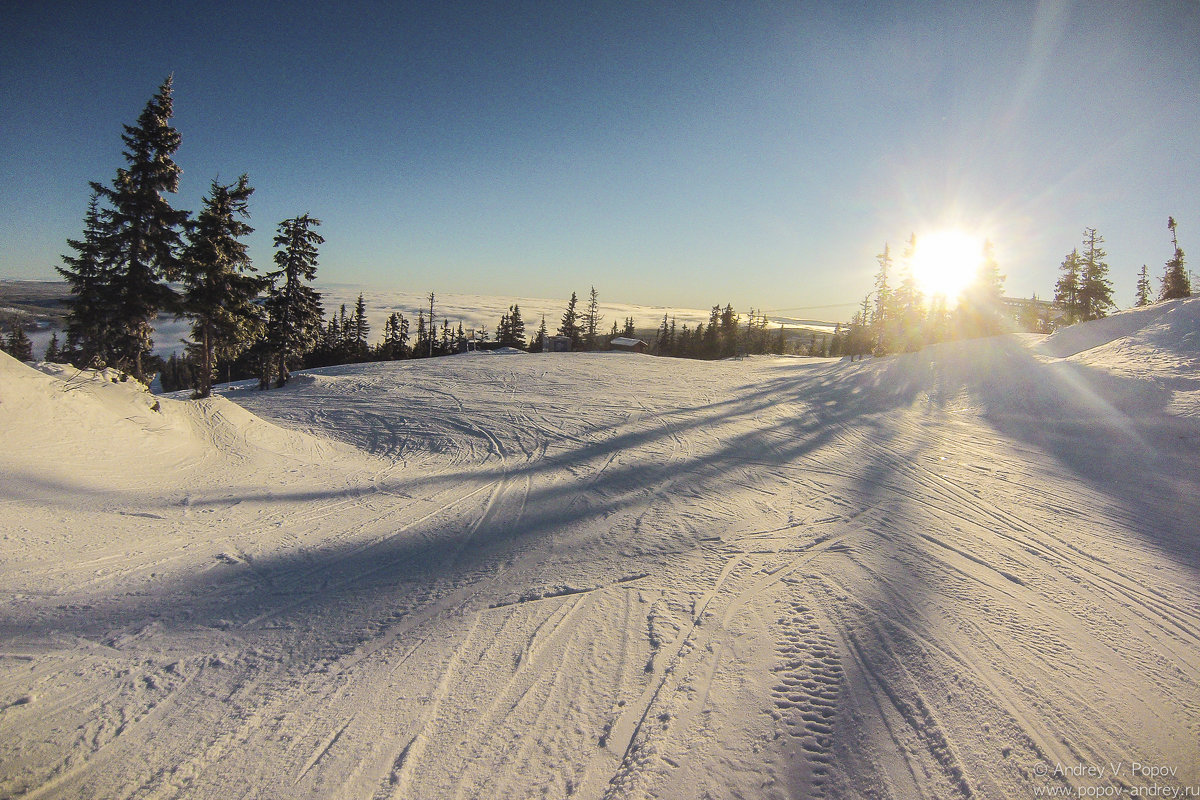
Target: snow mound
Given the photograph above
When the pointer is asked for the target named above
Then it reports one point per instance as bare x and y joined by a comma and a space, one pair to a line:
97, 430
1171, 324
1159, 344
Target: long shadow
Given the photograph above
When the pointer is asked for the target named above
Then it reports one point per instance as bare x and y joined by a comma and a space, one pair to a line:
1110, 432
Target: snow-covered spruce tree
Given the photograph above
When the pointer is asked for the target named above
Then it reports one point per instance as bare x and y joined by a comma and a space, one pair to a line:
1095, 289
142, 232
220, 288
1175, 281
1066, 290
293, 307
570, 324
91, 320
1141, 296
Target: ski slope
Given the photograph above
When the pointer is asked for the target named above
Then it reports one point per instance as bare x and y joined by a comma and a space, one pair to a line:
966, 572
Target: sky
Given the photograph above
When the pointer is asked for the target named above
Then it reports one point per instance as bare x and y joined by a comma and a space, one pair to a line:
687, 154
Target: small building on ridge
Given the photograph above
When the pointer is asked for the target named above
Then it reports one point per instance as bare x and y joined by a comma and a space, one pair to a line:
628, 345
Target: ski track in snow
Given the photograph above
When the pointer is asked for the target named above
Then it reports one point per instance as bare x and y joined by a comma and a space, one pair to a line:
935, 575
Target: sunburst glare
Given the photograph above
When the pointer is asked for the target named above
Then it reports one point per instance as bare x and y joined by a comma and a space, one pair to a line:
944, 262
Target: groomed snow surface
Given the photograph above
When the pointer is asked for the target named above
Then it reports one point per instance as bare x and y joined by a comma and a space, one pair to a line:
966, 572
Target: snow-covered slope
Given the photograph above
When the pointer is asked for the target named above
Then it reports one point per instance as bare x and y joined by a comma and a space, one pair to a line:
966, 572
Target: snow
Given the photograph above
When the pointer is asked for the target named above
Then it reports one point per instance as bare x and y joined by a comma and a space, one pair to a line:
965, 572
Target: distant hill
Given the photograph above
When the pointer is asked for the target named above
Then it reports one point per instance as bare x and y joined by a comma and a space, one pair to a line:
34, 304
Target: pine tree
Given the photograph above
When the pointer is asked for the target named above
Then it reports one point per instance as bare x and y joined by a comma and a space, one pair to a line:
503, 330
345, 334
1142, 295
516, 330
53, 353
981, 307
331, 341
1029, 318
176, 374
860, 335
1095, 289
142, 233
570, 324
432, 326
591, 321
710, 341
836, 344
220, 288
728, 333
395, 337
18, 345
882, 318
293, 307
1175, 281
421, 349
91, 321
539, 339
910, 313
359, 329
1066, 290
629, 331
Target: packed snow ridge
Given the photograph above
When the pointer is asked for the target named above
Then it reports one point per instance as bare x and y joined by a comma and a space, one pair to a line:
970, 571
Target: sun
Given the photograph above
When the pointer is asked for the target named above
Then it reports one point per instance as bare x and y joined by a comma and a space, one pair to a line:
944, 262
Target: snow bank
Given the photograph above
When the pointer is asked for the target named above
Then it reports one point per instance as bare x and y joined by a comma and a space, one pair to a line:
60, 423
1174, 324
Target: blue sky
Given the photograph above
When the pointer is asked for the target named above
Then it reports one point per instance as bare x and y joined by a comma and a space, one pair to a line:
677, 154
